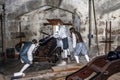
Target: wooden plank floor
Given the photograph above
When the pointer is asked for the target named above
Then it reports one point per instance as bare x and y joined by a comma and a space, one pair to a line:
52, 75
35, 73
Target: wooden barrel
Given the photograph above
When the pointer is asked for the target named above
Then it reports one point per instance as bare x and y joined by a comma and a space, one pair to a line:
10, 53
2, 58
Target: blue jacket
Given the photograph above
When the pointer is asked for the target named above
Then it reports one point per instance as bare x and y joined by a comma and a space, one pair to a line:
23, 52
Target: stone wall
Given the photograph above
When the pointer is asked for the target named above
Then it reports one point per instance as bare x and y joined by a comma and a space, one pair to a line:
32, 22
114, 17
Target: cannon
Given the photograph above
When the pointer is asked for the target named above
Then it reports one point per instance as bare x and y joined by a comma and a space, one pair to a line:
46, 51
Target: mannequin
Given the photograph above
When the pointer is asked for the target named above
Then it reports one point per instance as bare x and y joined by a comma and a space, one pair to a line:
62, 36
26, 56
78, 45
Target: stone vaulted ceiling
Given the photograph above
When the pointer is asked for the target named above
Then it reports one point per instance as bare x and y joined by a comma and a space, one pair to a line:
106, 6
18, 7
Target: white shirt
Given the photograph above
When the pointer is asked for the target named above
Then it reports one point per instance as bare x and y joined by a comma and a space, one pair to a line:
29, 53
74, 40
62, 32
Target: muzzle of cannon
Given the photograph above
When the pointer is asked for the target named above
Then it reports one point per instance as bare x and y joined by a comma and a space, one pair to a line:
113, 55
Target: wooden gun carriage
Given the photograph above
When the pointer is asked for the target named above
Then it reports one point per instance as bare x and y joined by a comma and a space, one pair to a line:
100, 68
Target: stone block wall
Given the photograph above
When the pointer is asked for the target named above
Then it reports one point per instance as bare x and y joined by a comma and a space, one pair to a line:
32, 22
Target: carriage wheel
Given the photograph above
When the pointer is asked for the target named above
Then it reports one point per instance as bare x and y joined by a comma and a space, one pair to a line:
53, 59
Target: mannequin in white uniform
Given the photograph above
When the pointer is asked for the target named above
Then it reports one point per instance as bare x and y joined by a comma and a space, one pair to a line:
61, 33
64, 37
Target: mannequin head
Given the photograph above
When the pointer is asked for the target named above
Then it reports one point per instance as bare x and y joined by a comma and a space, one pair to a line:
34, 41
72, 29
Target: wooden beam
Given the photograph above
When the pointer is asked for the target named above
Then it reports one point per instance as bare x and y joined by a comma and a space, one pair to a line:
45, 24
67, 67
96, 29
56, 22
90, 23
45, 33
110, 36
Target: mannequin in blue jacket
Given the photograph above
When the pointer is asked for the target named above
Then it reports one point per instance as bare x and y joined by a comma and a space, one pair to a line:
26, 55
